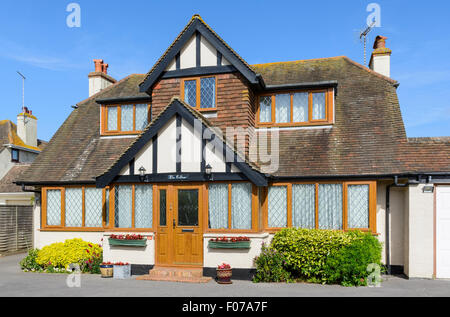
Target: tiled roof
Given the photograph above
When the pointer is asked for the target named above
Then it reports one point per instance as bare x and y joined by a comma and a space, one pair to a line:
7, 182
367, 138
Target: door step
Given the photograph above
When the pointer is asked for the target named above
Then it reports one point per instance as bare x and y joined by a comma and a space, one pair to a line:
171, 274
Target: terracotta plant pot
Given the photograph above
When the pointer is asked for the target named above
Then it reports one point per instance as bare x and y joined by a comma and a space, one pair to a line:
107, 271
224, 276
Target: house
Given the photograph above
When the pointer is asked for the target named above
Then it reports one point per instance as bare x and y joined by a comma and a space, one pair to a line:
205, 145
19, 146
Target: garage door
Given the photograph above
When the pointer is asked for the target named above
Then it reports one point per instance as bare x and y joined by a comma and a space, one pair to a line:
443, 231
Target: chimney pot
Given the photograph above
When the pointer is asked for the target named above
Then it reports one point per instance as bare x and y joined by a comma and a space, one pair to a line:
99, 79
380, 61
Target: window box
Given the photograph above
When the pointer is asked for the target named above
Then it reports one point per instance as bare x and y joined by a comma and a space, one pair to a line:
229, 245
128, 243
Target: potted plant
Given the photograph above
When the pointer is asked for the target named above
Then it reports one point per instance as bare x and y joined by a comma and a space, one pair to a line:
129, 240
122, 271
230, 243
224, 274
106, 269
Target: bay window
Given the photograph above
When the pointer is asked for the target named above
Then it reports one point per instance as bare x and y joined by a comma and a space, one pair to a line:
231, 207
313, 107
328, 206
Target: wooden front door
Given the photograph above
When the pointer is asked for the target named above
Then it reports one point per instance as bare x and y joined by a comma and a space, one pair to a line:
179, 237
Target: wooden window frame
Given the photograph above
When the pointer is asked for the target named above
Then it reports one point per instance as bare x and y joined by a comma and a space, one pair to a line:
198, 91
112, 209
62, 226
255, 211
104, 119
329, 109
372, 204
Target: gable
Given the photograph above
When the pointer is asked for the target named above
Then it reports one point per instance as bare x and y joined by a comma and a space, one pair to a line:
198, 50
173, 147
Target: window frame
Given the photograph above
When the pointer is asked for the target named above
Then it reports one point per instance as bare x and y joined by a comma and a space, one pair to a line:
198, 79
104, 119
372, 204
329, 108
62, 226
255, 210
12, 156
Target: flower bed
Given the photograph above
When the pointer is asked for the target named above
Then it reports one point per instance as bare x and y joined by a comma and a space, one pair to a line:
229, 243
57, 258
133, 240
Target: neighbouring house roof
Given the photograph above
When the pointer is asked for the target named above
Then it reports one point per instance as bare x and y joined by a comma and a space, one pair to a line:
7, 182
367, 139
8, 135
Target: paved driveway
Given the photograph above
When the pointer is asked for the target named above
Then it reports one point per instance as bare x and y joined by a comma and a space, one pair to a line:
13, 282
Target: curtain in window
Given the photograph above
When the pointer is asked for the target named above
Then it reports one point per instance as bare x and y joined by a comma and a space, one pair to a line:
141, 117
54, 207
319, 106
358, 206
277, 207
208, 92
112, 118
143, 212
283, 108
190, 92
265, 109
301, 107
126, 115
304, 206
218, 206
123, 205
107, 206
74, 207
330, 206
241, 206
93, 203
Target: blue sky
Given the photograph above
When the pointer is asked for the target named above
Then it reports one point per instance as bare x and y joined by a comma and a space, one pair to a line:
131, 35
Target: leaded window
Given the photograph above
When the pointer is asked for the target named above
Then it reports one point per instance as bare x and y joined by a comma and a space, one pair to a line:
358, 206
125, 119
74, 207
319, 106
283, 108
141, 117
123, 206
143, 206
277, 207
241, 206
330, 206
265, 109
93, 204
200, 93
54, 207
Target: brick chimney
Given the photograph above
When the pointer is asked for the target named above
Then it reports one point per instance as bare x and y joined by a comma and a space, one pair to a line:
27, 127
99, 78
381, 57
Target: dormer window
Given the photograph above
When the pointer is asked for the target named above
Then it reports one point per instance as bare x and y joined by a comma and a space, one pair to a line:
124, 119
296, 108
200, 92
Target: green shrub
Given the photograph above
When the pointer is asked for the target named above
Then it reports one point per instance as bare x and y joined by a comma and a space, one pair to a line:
349, 265
307, 250
29, 262
270, 266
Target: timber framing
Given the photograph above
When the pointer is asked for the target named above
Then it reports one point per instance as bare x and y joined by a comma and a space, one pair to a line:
177, 108
197, 27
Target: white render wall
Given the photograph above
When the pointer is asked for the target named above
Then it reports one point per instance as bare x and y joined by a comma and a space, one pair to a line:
397, 222
237, 258
419, 237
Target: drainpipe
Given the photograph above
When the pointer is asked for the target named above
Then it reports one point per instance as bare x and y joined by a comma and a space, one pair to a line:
388, 212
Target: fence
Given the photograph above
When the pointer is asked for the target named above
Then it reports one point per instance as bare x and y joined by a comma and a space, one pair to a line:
16, 228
